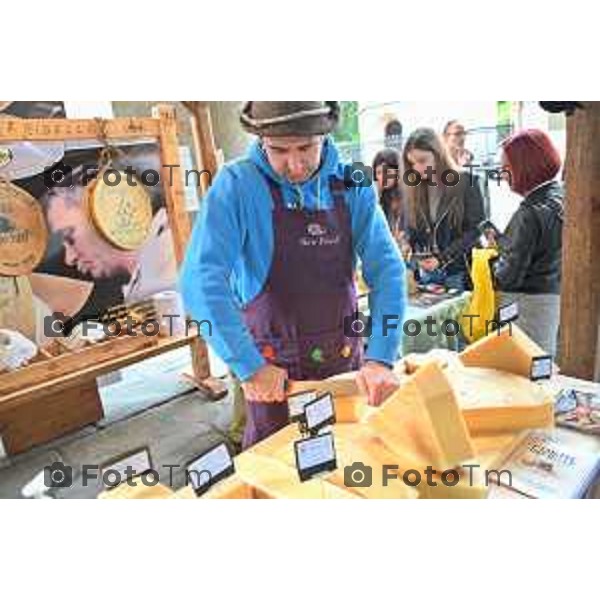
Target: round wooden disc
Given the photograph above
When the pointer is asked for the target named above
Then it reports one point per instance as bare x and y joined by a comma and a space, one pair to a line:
23, 231
122, 213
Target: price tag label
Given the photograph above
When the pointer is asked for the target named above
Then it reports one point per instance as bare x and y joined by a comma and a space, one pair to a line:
541, 368
508, 313
315, 455
319, 413
126, 467
297, 402
206, 470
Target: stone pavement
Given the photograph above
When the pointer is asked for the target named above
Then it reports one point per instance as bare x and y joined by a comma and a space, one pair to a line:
176, 431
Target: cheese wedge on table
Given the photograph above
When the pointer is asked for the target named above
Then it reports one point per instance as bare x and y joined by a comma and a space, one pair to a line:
508, 349
273, 479
354, 443
357, 445
496, 401
422, 423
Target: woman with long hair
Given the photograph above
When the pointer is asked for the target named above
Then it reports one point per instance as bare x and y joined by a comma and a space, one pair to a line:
386, 169
444, 208
529, 269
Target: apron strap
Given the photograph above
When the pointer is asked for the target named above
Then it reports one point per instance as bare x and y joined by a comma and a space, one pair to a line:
338, 191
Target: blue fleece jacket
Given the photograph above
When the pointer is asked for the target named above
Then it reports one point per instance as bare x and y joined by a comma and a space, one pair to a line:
230, 252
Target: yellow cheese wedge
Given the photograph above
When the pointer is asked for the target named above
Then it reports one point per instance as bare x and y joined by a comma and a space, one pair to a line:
271, 479
232, 488
422, 423
508, 349
139, 492
361, 457
495, 401
354, 443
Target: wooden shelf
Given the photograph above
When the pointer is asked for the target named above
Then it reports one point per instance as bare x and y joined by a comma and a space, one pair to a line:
104, 364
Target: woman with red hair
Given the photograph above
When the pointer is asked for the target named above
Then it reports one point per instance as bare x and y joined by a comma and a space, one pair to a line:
529, 268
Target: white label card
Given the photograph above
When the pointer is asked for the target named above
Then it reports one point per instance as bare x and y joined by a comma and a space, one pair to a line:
135, 465
209, 466
297, 402
319, 411
315, 451
507, 313
541, 368
2, 448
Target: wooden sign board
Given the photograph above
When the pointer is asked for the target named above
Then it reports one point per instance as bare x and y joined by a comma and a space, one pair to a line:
55, 382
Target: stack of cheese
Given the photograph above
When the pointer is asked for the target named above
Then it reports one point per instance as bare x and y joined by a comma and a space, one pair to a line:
450, 412
490, 380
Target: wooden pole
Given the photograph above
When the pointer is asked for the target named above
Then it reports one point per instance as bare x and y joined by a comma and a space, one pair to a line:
206, 153
204, 141
178, 216
580, 294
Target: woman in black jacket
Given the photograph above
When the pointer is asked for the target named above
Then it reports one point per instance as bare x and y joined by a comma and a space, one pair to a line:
444, 209
529, 268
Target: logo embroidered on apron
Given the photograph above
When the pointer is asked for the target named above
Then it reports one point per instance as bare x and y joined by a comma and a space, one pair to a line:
317, 235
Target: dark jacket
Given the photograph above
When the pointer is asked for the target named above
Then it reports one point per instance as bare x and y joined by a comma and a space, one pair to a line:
450, 242
531, 261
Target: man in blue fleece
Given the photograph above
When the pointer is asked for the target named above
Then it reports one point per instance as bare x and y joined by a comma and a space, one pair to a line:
271, 265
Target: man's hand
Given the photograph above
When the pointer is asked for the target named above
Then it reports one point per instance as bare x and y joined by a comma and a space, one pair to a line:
377, 382
266, 385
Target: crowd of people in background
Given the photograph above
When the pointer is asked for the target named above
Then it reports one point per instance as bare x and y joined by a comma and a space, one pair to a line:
437, 220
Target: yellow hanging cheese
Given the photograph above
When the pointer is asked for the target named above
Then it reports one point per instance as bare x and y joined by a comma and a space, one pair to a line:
508, 349
482, 306
422, 423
